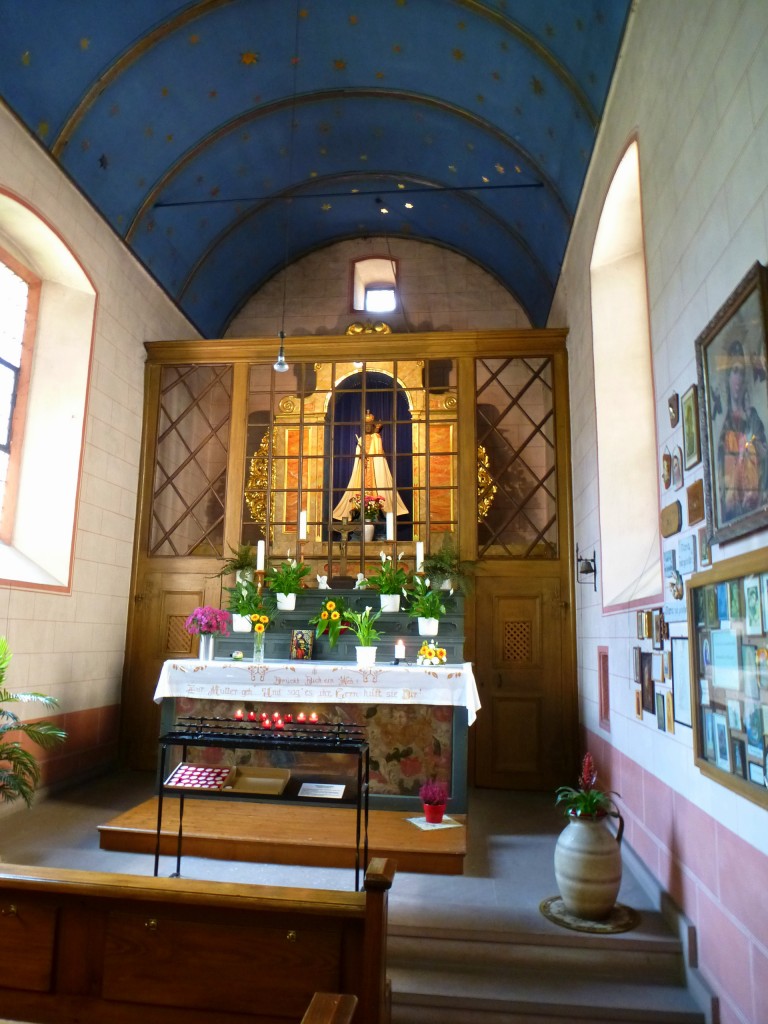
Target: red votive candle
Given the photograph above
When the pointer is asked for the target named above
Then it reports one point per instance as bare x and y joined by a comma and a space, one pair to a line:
301, 717
279, 724
288, 718
239, 715
251, 716
313, 717
266, 724
275, 715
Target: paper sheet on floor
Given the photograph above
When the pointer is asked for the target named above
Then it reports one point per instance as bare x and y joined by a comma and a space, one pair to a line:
428, 826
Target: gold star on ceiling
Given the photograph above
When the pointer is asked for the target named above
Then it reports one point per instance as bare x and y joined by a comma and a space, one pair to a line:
84, 43
353, 19
325, 207
457, 54
42, 129
499, 168
379, 74
340, 65
249, 57
194, 39
164, 91
536, 86
26, 58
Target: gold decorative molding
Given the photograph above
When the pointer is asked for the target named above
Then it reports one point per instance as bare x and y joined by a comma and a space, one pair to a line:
486, 488
369, 327
255, 493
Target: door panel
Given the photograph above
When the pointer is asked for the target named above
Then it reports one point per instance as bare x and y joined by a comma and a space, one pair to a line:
524, 730
163, 604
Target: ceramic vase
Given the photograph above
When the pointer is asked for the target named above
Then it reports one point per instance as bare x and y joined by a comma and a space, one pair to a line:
428, 627
241, 623
366, 656
286, 602
368, 529
434, 813
390, 602
588, 867
205, 648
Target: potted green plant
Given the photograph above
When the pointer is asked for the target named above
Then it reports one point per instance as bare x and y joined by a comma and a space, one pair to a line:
446, 570
587, 854
426, 605
286, 581
245, 598
19, 768
390, 581
242, 561
207, 622
362, 625
330, 619
434, 797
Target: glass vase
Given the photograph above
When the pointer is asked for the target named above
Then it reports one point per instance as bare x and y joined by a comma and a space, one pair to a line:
258, 646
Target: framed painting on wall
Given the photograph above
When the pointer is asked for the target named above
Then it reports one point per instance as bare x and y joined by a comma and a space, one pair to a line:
732, 364
691, 436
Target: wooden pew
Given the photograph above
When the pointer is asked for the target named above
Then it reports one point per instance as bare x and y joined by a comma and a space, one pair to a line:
81, 947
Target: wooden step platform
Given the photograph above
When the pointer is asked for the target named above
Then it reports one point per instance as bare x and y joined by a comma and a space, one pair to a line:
274, 833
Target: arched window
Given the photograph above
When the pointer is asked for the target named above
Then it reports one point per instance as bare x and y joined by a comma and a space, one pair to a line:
47, 396
374, 285
624, 398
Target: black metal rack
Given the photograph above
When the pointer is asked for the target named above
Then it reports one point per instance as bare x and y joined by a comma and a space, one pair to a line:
298, 737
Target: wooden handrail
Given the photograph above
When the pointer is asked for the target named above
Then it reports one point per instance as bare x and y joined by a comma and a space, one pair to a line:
330, 1008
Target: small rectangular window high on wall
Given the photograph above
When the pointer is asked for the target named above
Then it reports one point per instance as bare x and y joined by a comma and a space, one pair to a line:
604, 688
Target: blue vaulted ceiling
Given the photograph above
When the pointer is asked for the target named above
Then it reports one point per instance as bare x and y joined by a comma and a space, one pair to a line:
223, 139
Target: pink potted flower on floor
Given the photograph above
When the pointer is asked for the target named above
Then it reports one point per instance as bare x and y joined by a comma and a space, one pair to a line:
434, 797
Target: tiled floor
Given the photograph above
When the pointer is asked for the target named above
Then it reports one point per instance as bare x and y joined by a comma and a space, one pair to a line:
508, 869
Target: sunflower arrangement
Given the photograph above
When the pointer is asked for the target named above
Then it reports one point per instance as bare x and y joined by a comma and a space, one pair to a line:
330, 619
430, 654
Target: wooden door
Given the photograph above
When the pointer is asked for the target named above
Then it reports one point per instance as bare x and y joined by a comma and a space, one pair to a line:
162, 604
525, 730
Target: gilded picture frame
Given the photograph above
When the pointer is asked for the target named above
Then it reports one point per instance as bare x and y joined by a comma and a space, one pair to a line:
732, 365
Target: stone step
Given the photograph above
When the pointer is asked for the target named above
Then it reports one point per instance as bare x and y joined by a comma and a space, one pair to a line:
446, 936
492, 995
661, 960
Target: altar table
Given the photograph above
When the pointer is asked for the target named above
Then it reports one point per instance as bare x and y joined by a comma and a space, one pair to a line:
321, 682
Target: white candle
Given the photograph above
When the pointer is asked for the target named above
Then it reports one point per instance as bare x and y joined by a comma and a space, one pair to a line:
260, 556
419, 555
303, 524
390, 526
399, 649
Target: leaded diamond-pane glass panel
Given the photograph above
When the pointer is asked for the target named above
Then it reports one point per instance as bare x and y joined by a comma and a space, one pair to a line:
191, 461
517, 493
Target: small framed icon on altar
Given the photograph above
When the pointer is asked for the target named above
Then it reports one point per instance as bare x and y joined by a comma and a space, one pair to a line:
302, 642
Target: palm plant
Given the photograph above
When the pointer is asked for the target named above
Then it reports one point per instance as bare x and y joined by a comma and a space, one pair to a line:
19, 769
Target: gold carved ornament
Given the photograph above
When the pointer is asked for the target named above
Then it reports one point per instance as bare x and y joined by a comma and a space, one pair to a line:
255, 493
486, 488
368, 327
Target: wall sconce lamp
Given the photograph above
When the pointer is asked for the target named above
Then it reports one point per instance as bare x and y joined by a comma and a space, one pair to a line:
586, 569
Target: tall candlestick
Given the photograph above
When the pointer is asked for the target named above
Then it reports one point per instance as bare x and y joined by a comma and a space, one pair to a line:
419, 555
260, 556
390, 526
303, 524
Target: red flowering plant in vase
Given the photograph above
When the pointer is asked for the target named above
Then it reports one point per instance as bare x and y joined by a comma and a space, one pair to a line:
588, 801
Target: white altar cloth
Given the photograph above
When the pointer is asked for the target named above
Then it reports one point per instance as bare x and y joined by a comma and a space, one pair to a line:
322, 682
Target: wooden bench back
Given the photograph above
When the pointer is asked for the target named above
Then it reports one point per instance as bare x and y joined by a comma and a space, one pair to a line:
112, 949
